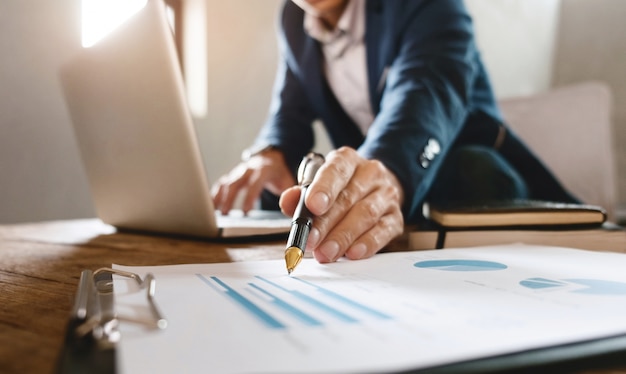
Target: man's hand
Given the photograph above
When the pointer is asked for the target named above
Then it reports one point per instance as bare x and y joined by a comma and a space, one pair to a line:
267, 170
357, 204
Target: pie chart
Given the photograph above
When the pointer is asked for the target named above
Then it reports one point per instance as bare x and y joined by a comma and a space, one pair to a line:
460, 265
587, 286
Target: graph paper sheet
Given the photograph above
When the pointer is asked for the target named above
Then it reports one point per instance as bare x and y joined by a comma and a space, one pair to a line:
393, 312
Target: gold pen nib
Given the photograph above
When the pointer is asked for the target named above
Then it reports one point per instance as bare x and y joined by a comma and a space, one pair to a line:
293, 256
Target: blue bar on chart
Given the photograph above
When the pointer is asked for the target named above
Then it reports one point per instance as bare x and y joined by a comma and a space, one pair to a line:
333, 295
268, 296
248, 305
290, 309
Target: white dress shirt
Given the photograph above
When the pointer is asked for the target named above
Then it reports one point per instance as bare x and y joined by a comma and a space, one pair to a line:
345, 64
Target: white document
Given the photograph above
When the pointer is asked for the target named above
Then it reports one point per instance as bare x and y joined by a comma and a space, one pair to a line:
393, 312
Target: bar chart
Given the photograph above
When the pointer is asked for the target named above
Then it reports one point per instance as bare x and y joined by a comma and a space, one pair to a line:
273, 302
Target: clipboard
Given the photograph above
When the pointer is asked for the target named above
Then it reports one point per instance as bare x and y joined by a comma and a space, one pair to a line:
92, 331
598, 354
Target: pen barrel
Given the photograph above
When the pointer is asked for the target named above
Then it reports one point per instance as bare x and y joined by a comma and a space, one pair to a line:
303, 218
299, 233
301, 224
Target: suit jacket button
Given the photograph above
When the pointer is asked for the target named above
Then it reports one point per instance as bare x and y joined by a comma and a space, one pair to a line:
431, 150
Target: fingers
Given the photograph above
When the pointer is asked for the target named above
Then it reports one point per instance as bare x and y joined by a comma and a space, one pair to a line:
363, 212
387, 228
248, 179
226, 189
331, 179
255, 186
371, 242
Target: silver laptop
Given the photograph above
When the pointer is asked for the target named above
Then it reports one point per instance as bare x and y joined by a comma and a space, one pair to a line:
127, 103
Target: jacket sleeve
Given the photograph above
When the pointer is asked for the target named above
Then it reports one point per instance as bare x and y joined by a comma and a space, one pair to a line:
426, 97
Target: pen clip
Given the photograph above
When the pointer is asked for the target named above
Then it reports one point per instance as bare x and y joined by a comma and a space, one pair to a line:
308, 168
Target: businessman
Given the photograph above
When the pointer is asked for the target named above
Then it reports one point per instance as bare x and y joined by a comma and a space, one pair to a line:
407, 103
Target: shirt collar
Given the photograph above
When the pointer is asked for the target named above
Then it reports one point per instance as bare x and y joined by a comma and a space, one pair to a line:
351, 24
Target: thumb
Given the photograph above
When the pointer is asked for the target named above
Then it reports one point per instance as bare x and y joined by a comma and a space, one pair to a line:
289, 200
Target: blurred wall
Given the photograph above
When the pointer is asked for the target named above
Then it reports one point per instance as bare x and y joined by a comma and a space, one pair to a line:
592, 45
40, 172
242, 57
517, 42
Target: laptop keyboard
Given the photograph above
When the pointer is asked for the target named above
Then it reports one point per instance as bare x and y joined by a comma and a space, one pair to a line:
254, 218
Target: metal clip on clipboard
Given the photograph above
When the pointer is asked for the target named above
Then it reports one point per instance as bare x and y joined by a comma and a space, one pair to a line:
93, 329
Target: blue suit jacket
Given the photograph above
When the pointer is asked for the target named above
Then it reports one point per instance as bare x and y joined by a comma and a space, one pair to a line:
429, 92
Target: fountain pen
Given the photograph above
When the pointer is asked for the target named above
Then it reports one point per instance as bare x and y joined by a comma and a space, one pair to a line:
302, 218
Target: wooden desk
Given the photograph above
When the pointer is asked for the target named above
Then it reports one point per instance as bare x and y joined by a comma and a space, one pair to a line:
40, 265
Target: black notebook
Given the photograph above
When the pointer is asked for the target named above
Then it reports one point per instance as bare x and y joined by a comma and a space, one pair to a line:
516, 213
